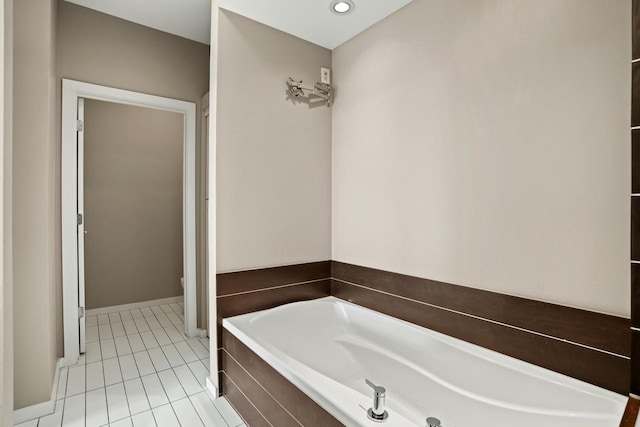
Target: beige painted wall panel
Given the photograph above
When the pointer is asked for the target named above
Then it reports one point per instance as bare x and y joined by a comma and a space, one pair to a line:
210, 186
34, 244
101, 49
273, 156
133, 204
6, 269
487, 144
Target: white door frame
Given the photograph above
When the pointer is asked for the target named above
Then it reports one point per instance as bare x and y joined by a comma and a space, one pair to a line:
71, 91
80, 230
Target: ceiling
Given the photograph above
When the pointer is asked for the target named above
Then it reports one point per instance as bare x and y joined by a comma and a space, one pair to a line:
311, 20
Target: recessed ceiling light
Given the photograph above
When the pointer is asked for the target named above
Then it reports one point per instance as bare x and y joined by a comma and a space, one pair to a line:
342, 7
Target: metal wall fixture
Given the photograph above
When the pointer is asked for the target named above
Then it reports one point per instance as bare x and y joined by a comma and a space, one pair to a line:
319, 90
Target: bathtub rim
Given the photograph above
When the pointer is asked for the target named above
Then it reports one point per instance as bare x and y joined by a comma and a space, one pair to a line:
282, 362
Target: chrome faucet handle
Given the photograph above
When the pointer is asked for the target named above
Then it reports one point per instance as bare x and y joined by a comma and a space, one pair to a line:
379, 390
377, 412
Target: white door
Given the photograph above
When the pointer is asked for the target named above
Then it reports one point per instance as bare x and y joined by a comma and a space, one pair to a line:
81, 230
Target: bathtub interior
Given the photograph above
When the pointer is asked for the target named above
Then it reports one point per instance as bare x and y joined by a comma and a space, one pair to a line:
425, 373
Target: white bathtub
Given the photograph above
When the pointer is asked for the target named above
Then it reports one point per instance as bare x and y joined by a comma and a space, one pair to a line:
327, 347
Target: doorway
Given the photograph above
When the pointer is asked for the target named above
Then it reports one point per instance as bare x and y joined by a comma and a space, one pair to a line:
74, 95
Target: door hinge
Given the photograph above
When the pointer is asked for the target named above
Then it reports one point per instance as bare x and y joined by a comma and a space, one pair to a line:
80, 219
79, 126
80, 312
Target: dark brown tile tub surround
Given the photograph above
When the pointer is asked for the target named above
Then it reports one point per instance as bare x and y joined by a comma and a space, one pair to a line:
589, 346
635, 228
635, 160
635, 94
635, 295
635, 367
243, 406
252, 280
635, 22
276, 399
635, 203
630, 413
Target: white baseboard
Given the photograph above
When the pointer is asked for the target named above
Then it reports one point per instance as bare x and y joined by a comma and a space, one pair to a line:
40, 409
132, 306
34, 412
201, 333
212, 391
67, 361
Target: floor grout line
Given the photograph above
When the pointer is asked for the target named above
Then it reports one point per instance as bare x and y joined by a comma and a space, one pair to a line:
195, 410
229, 423
218, 410
173, 321
175, 414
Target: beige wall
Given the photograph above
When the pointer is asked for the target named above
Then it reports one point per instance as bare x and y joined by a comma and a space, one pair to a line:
34, 171
487, 144
273, 157
101, 49
211, 125
6, 268
133, 203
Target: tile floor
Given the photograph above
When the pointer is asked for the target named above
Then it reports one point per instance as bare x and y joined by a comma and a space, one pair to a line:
139, 370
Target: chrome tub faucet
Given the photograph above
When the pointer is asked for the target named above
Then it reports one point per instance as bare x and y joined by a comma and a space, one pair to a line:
377, 412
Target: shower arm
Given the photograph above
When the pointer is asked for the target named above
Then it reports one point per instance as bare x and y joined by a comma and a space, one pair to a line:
320, 90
